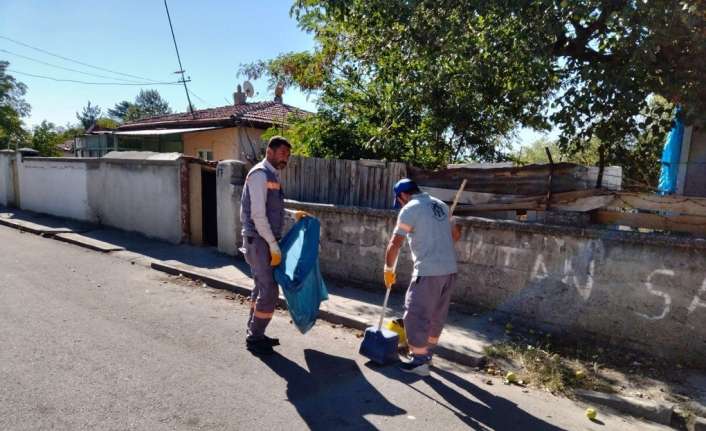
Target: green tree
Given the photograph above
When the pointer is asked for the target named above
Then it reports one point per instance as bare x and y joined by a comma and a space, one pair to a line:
639, 157
106, 123
45, 139
449, 80
148, 103
12, 108
120, 110
89, 114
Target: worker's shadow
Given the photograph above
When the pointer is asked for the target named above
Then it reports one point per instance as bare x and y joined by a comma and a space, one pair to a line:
333, 393
489, 411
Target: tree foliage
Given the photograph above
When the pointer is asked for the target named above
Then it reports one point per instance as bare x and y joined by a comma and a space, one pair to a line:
12, 108
639, 158
436, 81
46, 138
148, 103
89, 114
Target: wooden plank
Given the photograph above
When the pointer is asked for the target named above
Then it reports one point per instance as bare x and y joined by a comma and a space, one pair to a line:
362, 185
691, 224
472, 198
584, 204
528, 180
580, 201
644, 201
371, 163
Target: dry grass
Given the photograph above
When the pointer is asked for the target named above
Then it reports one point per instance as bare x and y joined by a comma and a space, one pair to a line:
539, 366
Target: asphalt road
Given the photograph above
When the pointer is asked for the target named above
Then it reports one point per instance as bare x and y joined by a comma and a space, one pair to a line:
90, 341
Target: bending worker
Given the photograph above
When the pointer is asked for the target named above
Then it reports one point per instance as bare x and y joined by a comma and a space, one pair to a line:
262, 216
425, 222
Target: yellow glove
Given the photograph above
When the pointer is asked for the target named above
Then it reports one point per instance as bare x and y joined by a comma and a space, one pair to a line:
298, 215
389, 277
275, 254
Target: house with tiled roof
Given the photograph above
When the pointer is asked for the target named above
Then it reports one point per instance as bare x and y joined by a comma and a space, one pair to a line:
226, 132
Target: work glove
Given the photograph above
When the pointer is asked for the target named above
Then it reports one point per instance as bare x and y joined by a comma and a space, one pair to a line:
275, 254
298, 215
389, 277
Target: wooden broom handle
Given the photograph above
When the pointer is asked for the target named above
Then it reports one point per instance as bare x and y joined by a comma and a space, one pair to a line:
457, 197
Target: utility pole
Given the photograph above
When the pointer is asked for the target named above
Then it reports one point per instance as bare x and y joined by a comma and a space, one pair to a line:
181, 68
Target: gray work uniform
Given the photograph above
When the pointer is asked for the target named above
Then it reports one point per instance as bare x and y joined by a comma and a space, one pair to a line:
257, 250
424, 221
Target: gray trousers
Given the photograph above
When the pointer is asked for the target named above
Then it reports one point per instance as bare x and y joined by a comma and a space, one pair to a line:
264, 295
426, 307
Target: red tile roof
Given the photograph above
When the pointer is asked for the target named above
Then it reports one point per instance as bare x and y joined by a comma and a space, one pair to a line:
257, 113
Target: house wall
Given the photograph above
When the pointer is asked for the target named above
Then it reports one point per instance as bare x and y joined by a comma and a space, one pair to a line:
222, 142
250, 147
695, 179
56, 186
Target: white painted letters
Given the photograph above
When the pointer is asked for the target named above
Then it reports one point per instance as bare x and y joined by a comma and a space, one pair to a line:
571, 278
539, 265
697, 301
653, 291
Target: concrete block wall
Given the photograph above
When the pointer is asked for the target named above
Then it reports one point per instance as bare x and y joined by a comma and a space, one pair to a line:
640, 291
131, 194
56, 186
141, 196
7, 196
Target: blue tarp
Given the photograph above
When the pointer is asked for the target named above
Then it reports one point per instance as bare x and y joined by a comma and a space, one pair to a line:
670, 158
300, 275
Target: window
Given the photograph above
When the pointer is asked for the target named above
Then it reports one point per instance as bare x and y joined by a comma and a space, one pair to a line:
204, 154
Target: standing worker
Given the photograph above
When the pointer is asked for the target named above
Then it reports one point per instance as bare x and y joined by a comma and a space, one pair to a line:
262, 216
424, 221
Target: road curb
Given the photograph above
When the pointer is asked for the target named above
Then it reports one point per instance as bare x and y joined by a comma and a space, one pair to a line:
650, 410
327, 315
27, 227
88, 243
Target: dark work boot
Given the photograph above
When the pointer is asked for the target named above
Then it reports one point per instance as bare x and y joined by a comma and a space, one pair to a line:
259, 346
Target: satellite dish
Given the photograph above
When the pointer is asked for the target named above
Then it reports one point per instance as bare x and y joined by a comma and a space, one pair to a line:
248, 89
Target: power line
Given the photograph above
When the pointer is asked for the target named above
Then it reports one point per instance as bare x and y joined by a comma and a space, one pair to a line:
199, 98
64, 68
144, 84
181, 68
74, 61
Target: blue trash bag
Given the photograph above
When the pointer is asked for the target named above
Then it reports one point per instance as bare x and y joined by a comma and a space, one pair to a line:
671, 155
300, 275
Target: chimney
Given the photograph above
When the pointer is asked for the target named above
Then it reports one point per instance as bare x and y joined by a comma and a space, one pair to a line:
239, 96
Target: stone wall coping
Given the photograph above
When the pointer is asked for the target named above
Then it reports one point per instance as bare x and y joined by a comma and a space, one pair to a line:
655, 239
96, 160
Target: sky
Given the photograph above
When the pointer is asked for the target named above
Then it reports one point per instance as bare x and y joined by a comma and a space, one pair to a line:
132, 37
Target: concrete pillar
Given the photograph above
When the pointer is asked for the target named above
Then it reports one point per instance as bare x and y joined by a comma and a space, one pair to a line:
195, 204
230, 179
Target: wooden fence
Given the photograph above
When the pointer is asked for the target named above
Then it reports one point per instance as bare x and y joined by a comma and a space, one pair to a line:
654, 212
366, 183
511, 191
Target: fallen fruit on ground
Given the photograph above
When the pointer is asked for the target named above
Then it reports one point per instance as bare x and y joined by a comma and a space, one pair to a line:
591, 413
511, 377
